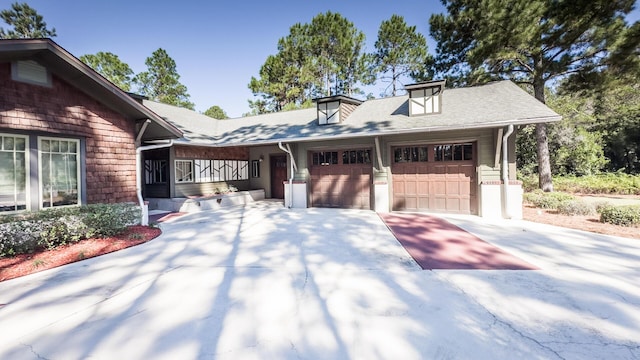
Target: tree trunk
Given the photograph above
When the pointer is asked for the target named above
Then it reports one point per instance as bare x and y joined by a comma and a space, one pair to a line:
545, 182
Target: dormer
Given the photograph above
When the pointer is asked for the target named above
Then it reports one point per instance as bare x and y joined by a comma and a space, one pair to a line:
335, 109
425, 98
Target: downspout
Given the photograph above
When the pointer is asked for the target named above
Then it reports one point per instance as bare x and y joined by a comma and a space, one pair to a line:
505, 171
288, 151
378, 154
144, 221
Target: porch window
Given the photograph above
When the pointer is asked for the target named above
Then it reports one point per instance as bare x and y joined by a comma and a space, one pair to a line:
220, 170
59, 171
184, 171
13, 170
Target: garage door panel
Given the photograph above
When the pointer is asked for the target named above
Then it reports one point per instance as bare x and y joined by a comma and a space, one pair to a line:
341, 185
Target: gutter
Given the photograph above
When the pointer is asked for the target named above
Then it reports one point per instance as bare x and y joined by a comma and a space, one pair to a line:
292, 161
505, 171
144, 221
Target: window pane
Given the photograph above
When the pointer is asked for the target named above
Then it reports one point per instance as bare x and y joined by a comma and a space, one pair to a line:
437, 153
422, 154
334, 158
353, 158
7, 143
457, 152
345, 157
59, 172
55, 146
360, 155
45, 145
448, 154
315, 160
367, 156
468, 152
64, 146
20, 144
406, 156
414, 154
397, 155
73, 147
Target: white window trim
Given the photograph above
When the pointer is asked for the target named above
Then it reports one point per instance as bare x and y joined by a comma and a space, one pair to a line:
178, 181
40, 193
27, 170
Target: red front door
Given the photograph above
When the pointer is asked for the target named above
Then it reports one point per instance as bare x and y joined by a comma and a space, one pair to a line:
278, 175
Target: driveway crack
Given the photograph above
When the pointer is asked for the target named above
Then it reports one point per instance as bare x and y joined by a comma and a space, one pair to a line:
497, 320
33, 351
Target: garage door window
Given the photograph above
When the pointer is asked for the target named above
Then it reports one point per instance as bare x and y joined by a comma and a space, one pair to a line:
410, 154
453, 152
356, 157
325, 158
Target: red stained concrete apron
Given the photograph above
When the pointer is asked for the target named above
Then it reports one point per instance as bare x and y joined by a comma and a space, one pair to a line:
437, 244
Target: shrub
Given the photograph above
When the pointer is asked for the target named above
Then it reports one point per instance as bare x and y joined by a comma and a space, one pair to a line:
628, 215
547, 200
608, 183
30, 231
576, 207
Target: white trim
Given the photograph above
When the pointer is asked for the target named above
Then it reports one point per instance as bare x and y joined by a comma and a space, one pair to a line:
27, 161
79, 175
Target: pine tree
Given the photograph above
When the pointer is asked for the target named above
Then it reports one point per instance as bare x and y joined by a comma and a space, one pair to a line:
26, 23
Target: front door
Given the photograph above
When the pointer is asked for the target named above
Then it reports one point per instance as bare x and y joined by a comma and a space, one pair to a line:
278, 175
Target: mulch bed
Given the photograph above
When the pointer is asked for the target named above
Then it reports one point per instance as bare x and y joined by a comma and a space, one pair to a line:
26, 264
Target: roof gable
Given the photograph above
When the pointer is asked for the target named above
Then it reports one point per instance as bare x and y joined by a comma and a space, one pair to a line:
70, 69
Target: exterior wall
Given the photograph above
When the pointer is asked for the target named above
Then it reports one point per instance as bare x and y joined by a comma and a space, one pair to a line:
64, 111
181, 152
264, 181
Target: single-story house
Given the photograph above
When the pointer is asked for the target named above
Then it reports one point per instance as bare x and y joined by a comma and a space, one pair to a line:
68, 136
434, 149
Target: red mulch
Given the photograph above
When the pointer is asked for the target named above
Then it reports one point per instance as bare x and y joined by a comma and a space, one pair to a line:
26, 264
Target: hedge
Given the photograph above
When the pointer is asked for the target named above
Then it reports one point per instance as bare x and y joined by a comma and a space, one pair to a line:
50, 228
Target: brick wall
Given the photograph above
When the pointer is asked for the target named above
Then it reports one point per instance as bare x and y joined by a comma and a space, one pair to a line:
62, 110
206, 153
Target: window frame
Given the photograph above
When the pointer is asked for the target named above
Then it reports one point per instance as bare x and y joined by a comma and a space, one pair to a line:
27, 170
78, 171
178, 179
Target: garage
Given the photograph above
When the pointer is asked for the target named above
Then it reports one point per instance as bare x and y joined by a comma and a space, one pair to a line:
341, 178
438, 178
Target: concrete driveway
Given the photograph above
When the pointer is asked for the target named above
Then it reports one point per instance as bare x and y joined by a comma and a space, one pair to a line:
263, 282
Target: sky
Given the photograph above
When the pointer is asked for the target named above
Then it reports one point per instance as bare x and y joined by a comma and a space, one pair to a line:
217, 46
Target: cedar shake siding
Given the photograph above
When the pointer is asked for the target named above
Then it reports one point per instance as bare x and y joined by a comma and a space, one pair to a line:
106, 137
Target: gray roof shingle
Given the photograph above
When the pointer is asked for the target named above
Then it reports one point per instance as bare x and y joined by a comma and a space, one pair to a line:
492, 105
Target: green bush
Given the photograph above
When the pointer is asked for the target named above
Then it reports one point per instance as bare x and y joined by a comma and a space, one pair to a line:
607, 183
50, 228
628, 215
576, 207
547, 200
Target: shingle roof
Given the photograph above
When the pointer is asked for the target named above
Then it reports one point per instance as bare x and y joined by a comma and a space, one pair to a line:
491, 105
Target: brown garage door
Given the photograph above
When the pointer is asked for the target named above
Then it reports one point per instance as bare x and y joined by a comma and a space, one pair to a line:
341, 178
438, 178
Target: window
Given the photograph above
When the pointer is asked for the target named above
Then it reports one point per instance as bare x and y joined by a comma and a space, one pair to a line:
453, 152
184, 171
356, 157
30, 72
325, 158
329, 112
255, 169
59, 171
217, 170
13, 172
155, 172
410, 154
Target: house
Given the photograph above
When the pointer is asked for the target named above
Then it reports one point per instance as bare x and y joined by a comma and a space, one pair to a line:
67, 135
434, 149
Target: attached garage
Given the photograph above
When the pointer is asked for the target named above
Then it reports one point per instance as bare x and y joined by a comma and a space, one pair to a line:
439, 178
341, 178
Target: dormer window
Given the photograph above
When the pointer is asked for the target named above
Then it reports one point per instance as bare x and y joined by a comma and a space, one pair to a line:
31, 72
425, 98
335, 109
